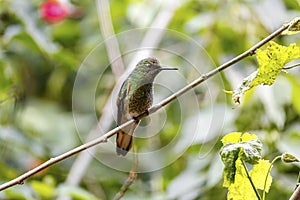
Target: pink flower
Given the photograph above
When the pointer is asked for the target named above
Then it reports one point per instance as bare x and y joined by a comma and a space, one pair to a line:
54, 11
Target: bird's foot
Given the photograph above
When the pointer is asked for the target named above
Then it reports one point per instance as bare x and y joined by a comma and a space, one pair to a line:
137, 118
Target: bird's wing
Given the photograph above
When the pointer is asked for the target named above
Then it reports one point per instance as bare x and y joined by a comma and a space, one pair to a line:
121, 101
124, 136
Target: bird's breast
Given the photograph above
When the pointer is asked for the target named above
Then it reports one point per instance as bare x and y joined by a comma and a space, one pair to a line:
141, 99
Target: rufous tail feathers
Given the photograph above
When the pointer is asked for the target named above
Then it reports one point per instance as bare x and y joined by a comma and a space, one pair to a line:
124, 143
124, 139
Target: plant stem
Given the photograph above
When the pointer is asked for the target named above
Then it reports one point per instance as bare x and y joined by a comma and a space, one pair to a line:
269, 170
250, 179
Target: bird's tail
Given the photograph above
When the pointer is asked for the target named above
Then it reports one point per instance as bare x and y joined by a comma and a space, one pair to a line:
124, 143
124, 139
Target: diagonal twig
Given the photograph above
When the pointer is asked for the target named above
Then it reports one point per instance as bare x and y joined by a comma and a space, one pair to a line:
103, 138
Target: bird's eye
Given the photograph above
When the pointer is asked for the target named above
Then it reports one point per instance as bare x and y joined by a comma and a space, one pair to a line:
148, 64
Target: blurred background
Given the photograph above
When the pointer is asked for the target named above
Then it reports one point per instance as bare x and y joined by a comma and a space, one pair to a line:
50, 51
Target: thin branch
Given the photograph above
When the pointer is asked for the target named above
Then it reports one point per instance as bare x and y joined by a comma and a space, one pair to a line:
251, 51
292, 66
132, 176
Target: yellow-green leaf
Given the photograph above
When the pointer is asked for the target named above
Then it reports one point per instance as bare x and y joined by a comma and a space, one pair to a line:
246, 137
233, 137
238, 146
259, 174
271, 62
236, 137
241, 189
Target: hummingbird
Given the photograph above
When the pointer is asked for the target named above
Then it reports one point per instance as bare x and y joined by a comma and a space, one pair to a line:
135, 98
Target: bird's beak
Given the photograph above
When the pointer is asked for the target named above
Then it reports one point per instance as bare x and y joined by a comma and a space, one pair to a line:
168, 68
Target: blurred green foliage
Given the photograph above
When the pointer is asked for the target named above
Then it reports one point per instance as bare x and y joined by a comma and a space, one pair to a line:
38, 67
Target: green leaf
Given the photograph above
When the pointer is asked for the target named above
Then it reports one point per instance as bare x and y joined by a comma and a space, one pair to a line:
271, 62
229, 158
293, 28
238, 146
258, 174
